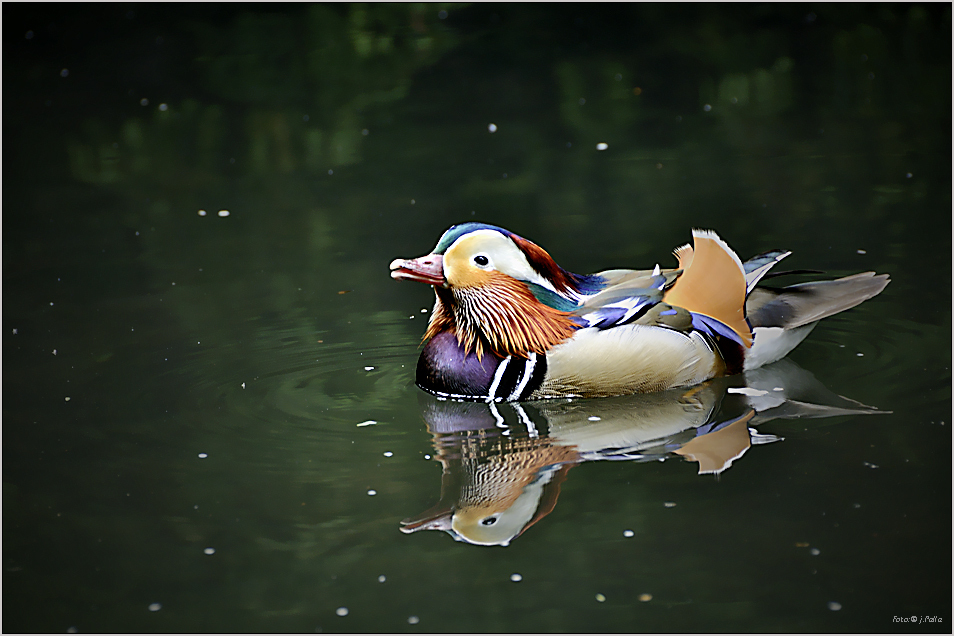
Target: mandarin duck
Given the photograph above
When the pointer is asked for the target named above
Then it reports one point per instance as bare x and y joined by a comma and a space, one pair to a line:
509, 324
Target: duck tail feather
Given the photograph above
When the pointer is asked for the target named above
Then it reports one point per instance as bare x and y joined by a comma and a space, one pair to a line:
805, 303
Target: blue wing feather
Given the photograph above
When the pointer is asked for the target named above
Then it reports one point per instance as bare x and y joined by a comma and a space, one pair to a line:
758, 266
624, 307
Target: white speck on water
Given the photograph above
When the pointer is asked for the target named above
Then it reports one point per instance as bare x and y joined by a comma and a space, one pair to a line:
155, 607
388, 454
859, 355
492, 128
645, 598
670, 504
413, 620
778, 388
67, 399
54, 352
369, 368
209, 551
861, 251
516, 578
372, 492
202, 212
203, 455
600, 598
223, 213
163, 107
857, 505
594, 418
342, 611
747, 391
382, 579
814, 551
427, 457
51, 304
602, 146
628, 533
243, 385
707, 107
834, 606
367, 423
869, 465
15, 331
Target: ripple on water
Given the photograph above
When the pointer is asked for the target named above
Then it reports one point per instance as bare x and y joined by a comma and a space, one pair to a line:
885, 352
289, 378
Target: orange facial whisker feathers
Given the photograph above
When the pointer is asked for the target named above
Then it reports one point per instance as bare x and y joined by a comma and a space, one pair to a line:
502, 315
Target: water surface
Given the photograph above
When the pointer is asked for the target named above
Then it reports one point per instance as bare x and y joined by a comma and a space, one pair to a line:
210, 422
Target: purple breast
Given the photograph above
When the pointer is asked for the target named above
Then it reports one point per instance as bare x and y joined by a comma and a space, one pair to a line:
444, 368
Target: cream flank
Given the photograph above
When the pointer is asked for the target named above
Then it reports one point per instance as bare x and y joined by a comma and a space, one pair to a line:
627, 359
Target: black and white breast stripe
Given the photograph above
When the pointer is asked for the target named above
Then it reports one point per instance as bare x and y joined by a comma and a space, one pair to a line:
515, 379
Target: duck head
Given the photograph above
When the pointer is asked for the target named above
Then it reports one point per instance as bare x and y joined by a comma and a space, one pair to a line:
497, 291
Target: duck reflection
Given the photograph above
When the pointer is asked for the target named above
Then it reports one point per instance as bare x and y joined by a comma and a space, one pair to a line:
503, 464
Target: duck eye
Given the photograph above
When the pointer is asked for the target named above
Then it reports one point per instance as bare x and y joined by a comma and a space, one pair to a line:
489, 521
481, 260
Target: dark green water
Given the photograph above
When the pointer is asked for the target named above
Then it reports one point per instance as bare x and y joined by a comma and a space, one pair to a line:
174, 382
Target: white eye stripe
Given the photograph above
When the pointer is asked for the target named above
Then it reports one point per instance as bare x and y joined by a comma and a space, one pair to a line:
507, 258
